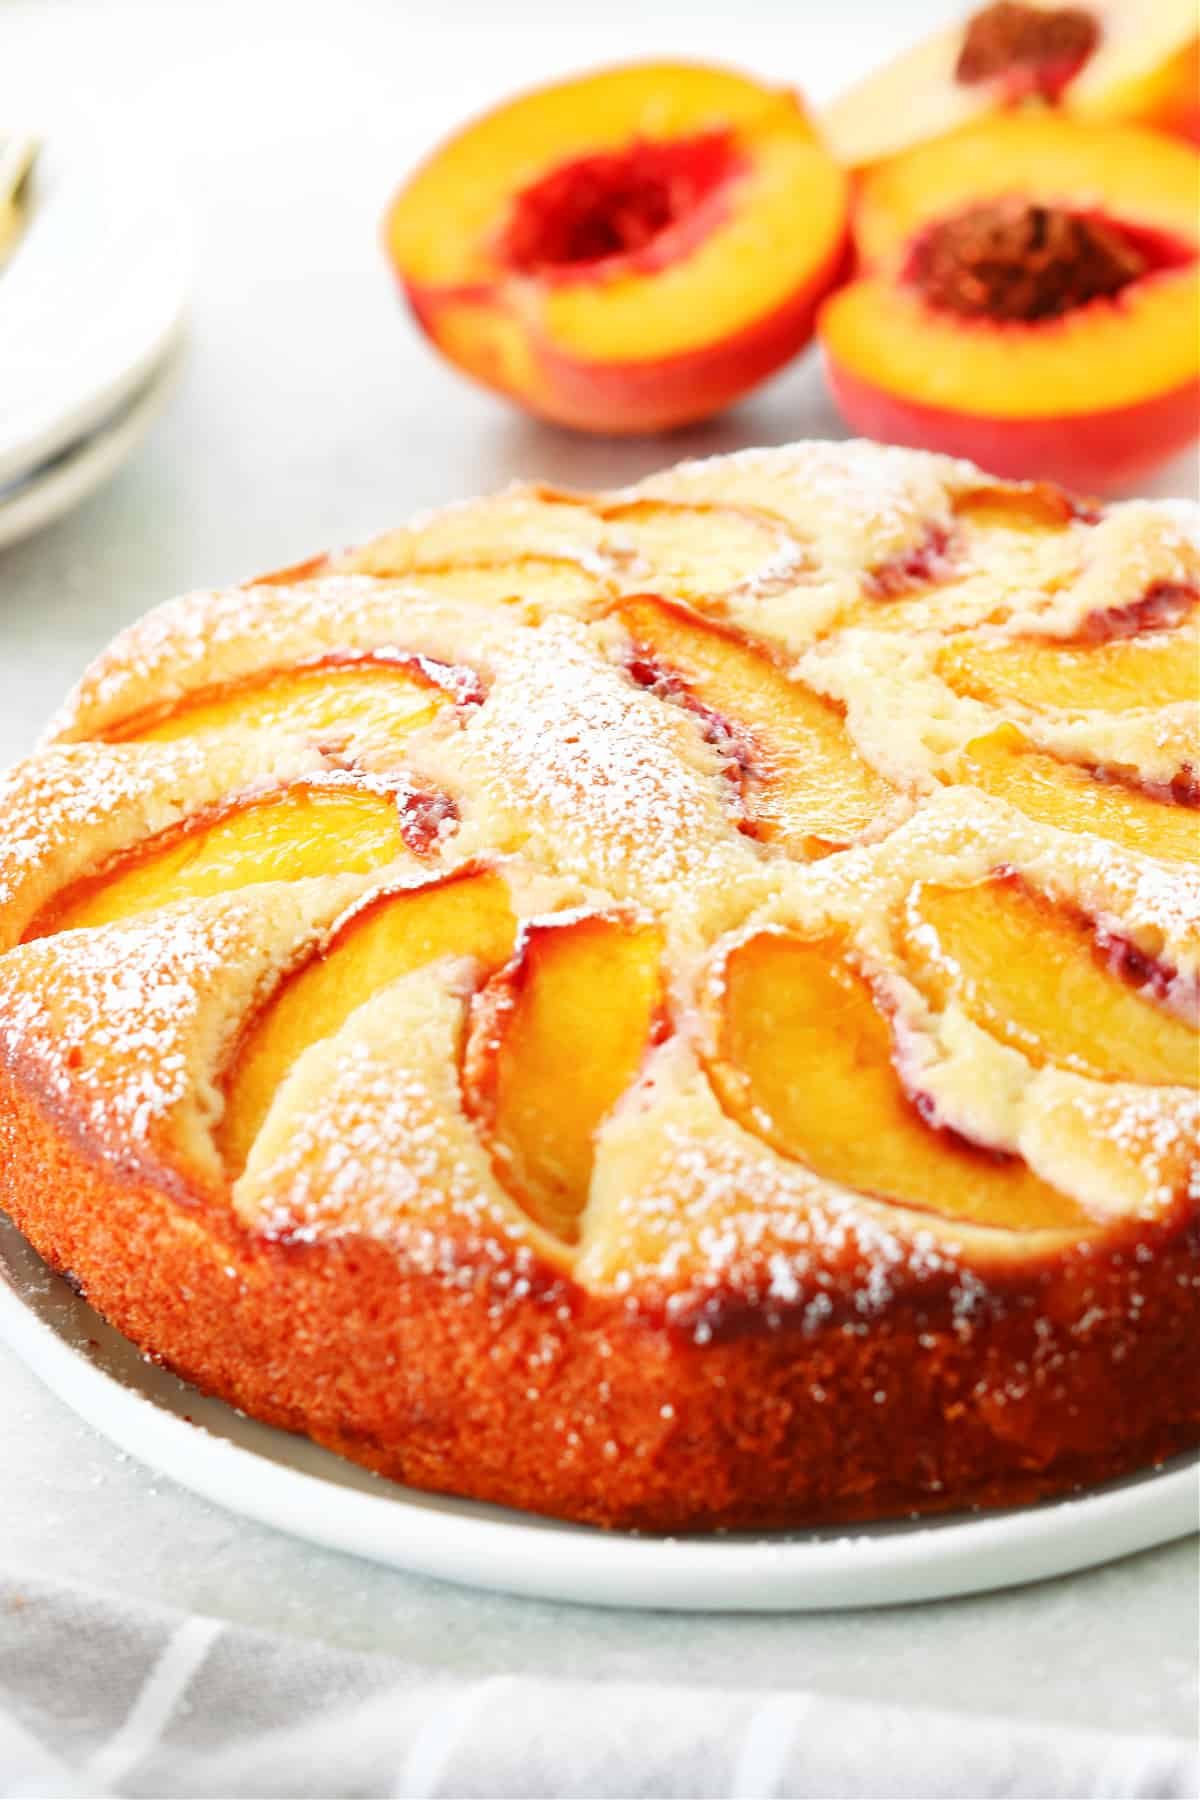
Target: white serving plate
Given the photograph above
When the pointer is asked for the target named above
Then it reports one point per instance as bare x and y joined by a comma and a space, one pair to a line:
94, 296
76, 471
289, 1483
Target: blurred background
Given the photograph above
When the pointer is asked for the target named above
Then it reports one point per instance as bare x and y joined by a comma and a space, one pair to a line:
307, 411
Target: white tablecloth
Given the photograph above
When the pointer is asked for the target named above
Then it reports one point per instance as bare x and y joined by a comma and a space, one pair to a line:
150, 1643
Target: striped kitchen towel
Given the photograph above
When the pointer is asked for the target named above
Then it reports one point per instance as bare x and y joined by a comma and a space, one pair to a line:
101, 1698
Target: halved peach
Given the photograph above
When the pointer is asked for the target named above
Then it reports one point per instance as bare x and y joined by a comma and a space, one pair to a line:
556, 1039
389, 935
1071, 798
1028, 300
804, 1059
337, 698
801, 781
307, 828
1040, 978
1166, 96
1157, 668
627, 251
1121, 61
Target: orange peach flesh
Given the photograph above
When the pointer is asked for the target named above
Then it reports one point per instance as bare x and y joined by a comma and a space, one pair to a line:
583, 997
1034, 506
1061, 794
1153, 669
1161, 86
804, 786
328, 702
302, 830
1031, 975
391, 935
1090, 397
805, 1060
542, 251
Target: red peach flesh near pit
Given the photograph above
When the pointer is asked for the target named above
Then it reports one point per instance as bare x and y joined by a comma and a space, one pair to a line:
641, 206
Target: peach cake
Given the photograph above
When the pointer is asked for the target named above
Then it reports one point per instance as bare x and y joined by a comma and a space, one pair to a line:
672, 1008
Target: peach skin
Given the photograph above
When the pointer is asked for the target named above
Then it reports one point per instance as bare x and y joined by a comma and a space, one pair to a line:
1030, 302
625, 252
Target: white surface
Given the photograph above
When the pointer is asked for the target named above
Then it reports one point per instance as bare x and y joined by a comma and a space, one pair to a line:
310, 413
77, 471
281, 1480
95, 291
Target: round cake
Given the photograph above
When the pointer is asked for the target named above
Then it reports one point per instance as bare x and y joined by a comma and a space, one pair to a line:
673, 1008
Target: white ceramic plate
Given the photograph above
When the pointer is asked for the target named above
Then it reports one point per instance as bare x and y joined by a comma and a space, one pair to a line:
287, 1482
70, 476
93, 297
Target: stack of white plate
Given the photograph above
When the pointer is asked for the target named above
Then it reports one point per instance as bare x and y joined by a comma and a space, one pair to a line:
92, 307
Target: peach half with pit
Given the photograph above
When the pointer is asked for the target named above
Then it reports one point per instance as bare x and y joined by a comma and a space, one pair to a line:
1112, 61
625, 252
1029, 301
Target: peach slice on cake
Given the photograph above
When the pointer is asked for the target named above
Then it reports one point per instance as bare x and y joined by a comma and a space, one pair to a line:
801, 782
627, 251
804, 1058
329, 701
310, 827
1027, 298
1046, 981
557, 1037
1156, 668
1071, 798
1122, 61
386, 936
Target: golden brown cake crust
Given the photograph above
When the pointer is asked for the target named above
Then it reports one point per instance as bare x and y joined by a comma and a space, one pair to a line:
728, 1334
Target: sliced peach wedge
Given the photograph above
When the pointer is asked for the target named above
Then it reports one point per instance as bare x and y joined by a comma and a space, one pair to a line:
627, 251
1157, 668
309, 827
1028, 300
387, 936
804, 1059
1043, 980
331, 702
1131, 61
489, 572
802, 783
583, 996
1053, 792
990, 525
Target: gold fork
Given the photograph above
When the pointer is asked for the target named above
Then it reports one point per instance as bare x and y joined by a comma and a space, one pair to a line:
18, 153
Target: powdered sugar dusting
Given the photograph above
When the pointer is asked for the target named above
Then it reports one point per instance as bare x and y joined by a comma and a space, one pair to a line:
556, 757
110, 1030
612, 786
